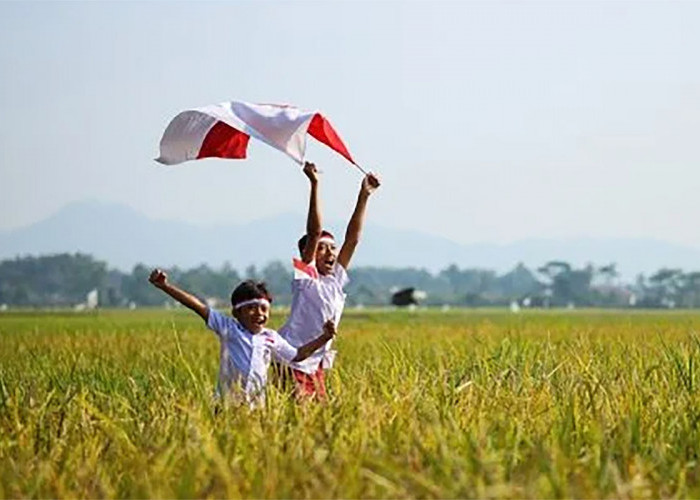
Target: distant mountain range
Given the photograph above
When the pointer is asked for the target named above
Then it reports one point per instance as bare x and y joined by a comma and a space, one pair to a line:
123, 237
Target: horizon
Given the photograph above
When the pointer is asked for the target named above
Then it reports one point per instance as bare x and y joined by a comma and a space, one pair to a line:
132, 237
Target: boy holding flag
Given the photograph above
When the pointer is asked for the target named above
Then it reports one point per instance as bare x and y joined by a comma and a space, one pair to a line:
317, 289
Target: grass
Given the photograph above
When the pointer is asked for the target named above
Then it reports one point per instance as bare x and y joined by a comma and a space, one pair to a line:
429, 404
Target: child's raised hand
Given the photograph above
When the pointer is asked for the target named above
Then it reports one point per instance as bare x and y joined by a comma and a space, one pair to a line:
370, 183
158, 278
329, 329
311, 171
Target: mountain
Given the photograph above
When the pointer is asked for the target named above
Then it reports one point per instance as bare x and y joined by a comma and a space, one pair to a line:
123, 237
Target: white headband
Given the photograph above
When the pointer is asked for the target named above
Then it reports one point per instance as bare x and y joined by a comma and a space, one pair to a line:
251, 302
326, 239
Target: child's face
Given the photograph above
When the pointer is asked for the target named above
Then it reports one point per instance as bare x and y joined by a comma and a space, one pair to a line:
326, 255
253, 317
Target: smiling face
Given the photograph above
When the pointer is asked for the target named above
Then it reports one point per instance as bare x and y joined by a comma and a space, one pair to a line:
326, 255
253, 317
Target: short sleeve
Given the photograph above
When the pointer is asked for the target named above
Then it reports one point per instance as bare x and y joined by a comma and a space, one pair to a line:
341, 275
217, 322
282, 349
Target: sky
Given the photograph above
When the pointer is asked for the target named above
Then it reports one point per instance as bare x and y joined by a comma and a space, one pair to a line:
487, 121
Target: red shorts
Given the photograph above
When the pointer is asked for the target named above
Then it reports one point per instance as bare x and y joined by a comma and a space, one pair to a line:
309, 385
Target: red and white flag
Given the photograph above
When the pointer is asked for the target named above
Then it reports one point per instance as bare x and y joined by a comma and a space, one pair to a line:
223, 130
304, 271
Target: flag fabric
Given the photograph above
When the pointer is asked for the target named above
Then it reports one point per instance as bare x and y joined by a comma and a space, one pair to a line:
304, 271
223, 130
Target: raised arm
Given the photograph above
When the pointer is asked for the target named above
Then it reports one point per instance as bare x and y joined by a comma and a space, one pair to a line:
313, 220
308, 349
159, 279
352, 234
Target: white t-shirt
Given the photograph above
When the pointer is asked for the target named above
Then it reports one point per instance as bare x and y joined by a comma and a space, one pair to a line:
245, 356
315, 300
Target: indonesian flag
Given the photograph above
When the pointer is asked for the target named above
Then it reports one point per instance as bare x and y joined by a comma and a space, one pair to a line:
223, 130
304, 271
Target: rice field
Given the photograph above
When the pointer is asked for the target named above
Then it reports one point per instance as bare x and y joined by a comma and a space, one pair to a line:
423, 404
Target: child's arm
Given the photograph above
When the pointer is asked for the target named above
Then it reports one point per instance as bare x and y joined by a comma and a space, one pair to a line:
352, 234
308, 349
313, 220
159, 279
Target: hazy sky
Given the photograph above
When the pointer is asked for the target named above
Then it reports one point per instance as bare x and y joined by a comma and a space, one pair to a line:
487, 121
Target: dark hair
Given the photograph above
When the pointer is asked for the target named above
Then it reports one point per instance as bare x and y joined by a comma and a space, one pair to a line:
305, 238
248, 290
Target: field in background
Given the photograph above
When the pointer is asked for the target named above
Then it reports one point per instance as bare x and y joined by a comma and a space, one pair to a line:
425, 404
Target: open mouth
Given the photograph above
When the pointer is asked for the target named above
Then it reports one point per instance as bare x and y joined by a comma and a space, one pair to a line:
325, 266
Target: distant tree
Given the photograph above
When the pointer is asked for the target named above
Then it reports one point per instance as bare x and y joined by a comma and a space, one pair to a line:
470, 286
608, 273
364, 295
554, 268
56, 280
278, 278
374, 285
568, 285
665, 287
251, 273
453, 276
137, 289
210, 283
65, 279
518, 283
690, 289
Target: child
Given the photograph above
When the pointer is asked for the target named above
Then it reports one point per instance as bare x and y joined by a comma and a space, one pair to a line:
246, 345
317, 289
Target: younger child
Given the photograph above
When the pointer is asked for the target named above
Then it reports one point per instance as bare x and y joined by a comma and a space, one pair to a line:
246, 344
317, 290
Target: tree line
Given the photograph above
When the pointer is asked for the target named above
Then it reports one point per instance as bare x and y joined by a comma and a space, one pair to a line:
63, 280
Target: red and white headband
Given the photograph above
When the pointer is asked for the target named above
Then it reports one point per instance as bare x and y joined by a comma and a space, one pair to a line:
326, 239
252, 302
